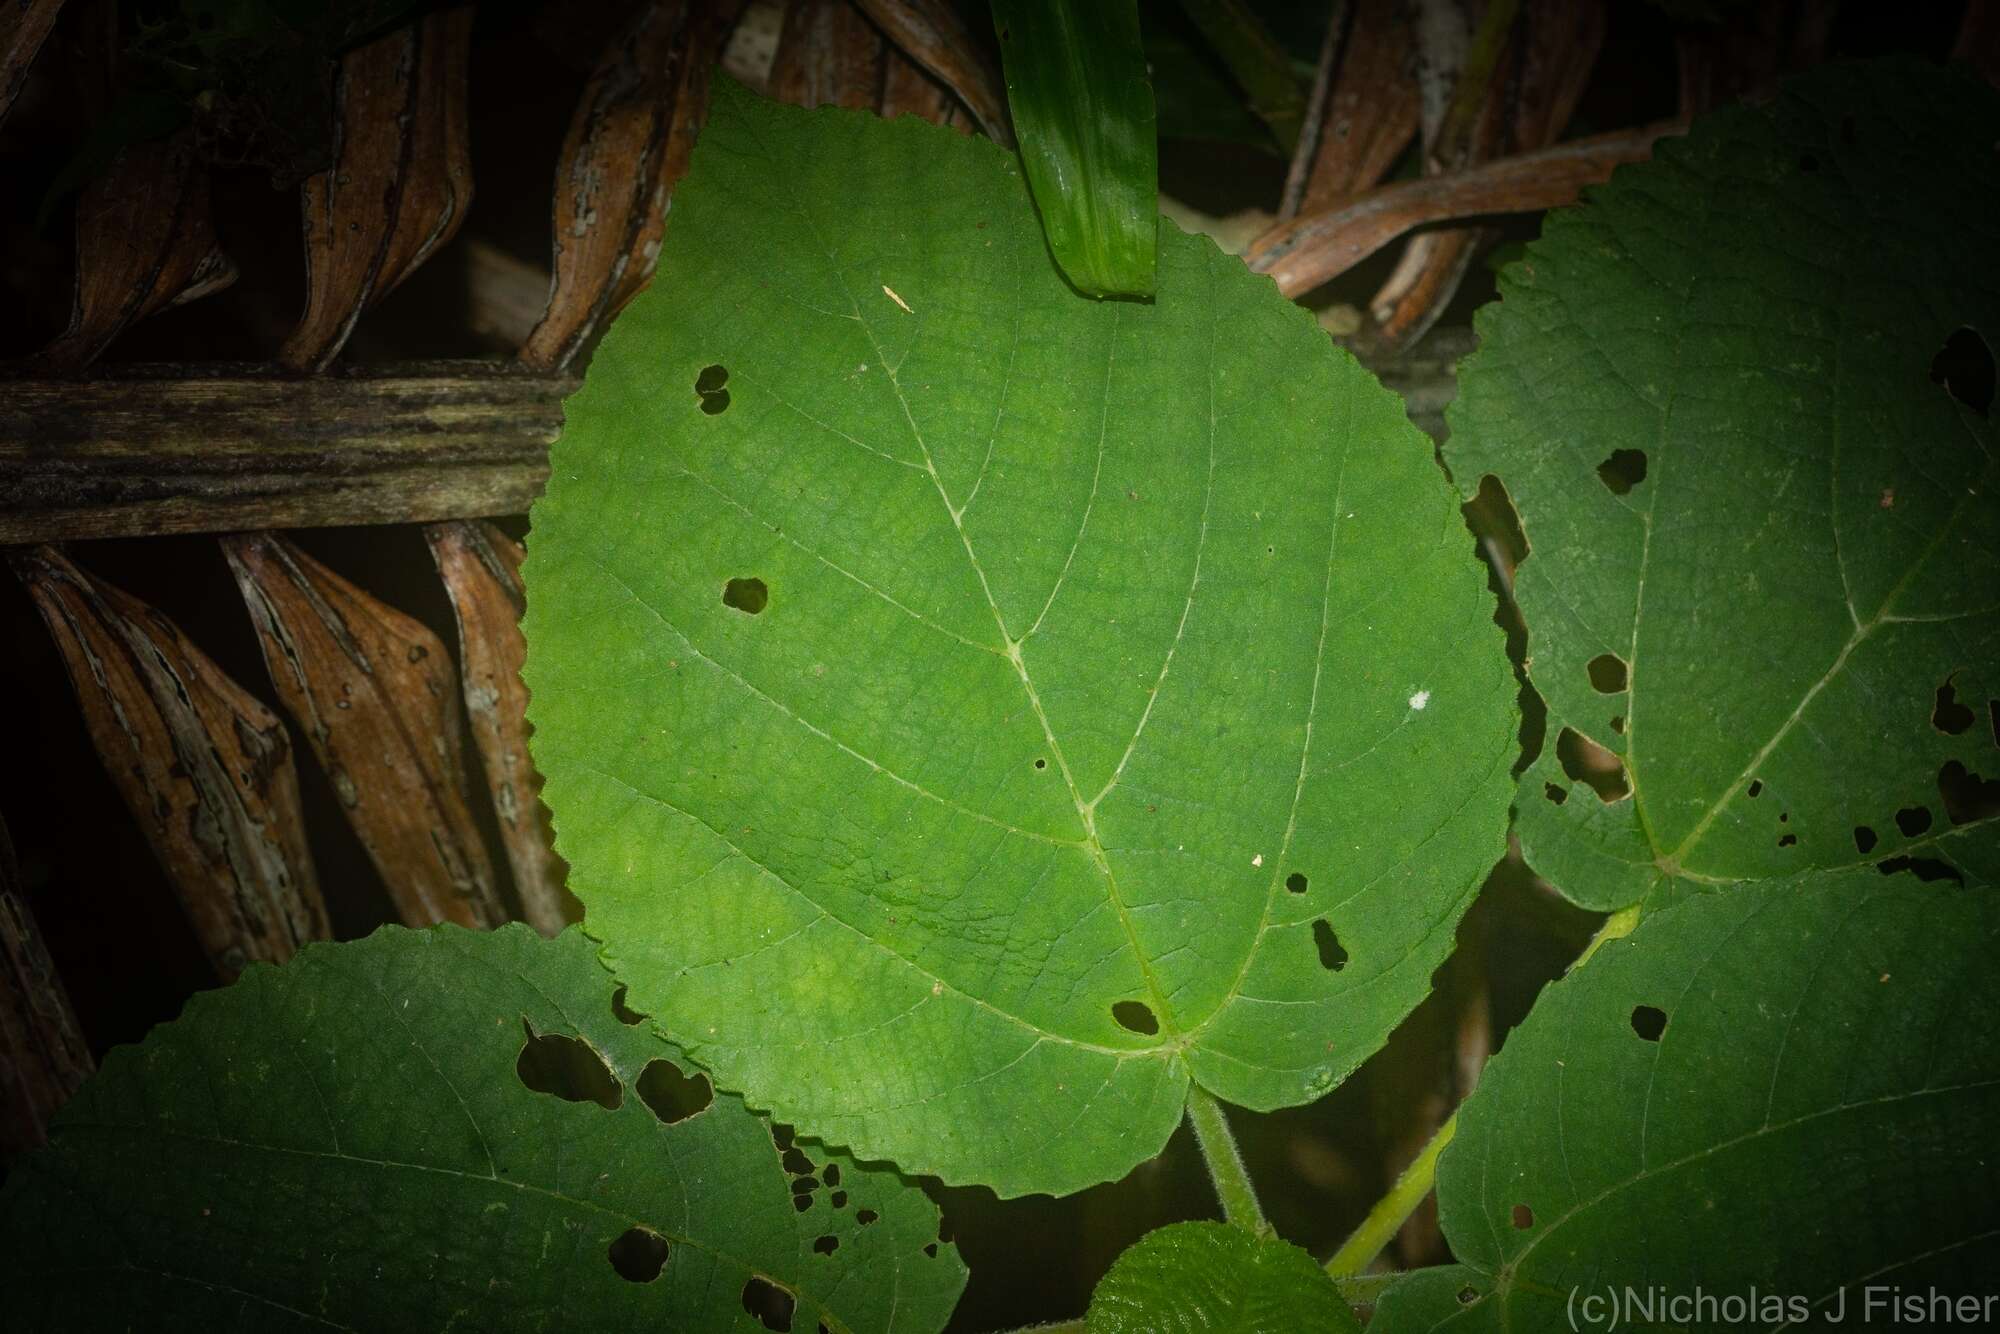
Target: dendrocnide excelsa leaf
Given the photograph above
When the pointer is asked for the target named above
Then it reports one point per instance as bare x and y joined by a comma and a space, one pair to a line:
1761, 498
970, 710
348, 1141
1776, 1095
1218, 1278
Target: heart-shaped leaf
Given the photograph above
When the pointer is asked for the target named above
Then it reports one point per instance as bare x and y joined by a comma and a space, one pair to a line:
972, 710
1742, 401
444, 1130
1782, 1096
1217, 1278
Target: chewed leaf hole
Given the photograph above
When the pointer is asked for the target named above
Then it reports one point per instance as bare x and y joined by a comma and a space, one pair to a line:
673, 1096
1964, 366
1649, 1021
771, 1304
1587, 762
1927, 869
832, 1174
1524, 1217
1135, 1017
1625, 469
1295, 883
1864, 839
746, 595
1788, 840
930, 1250
638, 1255
1467, 1296
1948, 715
626, 1014
1332, 955
827, 1244
1041, 764
1556, 795
1914, 820
1756, 788
1967, 796
865, 1216
708, 386
1607, 674
566, 1068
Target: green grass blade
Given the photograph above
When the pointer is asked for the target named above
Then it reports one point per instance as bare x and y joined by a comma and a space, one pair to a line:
1083, 109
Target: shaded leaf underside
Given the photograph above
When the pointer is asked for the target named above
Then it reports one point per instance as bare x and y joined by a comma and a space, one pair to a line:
1763, 534
1787, 1090
347, 1142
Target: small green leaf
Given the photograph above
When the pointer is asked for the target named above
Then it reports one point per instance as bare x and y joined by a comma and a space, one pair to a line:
972, 711
1083, 115
1219, 1279
1781, 1094
356, 1141
1736, 399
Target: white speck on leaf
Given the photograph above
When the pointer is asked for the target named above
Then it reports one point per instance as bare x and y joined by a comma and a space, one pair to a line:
890, 292
1258, 860
1420, 699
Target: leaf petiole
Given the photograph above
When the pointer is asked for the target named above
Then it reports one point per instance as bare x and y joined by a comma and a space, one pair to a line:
1394, 1209
1225, 1164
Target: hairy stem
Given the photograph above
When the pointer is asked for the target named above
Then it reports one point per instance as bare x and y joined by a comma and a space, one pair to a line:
1394, 1209
1225, 1164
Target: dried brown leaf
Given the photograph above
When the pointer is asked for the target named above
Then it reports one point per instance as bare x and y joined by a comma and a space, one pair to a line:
400, 182
481, 568
204, 767
1313, 248
930, 33
23, 25
144, 241
43, 1057
373, 691
828, 55
628, 144
908, 91
1370, 111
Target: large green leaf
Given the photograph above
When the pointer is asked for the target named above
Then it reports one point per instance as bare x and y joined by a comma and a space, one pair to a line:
1788, 1091
1788, 627
942, 678
1217, 1278
348, 1142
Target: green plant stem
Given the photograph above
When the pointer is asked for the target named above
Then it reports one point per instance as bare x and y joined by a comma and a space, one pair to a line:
1364, 1289
1394, 1209
1225, 1164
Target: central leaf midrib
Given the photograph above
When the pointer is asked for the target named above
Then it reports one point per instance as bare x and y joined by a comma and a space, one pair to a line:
1086, 816
1094, 845
1884, 615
